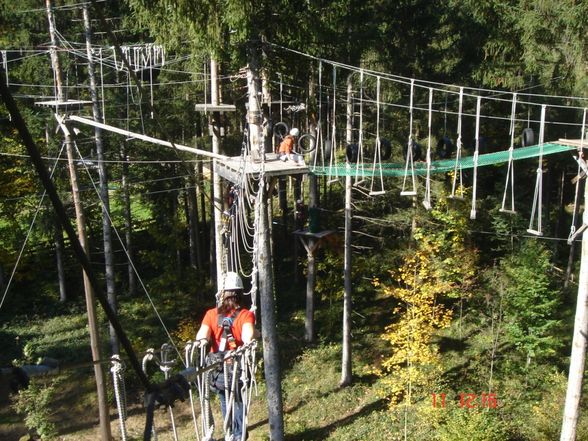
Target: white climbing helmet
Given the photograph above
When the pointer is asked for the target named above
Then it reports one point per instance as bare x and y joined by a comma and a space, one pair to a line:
294, 132
232, 282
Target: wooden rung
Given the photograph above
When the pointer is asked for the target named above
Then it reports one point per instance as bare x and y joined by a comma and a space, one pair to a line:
216, 108
332, 181
459, 198
504, 210
534, 232
408, 193
377, 193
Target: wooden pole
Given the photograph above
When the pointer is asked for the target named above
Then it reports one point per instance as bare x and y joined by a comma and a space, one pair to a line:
105, 433
347, 300
216, 180
106, 227
271, 359
62, 216
578, 357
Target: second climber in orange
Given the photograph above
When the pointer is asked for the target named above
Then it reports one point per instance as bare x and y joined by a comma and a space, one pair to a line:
287, 145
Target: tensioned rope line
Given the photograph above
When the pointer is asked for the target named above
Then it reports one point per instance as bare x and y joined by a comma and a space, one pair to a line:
26, 239
424, 83
128, 256
447, 165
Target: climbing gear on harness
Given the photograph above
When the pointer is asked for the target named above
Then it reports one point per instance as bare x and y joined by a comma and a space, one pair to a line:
227, 341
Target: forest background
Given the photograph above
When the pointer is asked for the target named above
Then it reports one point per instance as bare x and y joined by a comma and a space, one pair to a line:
479, 308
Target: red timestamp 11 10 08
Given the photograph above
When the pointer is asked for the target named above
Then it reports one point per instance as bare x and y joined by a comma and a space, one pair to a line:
485, 400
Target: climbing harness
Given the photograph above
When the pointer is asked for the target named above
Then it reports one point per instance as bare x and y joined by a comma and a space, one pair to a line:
535, 227
457, 170
409, 153
476, 157
510, 170
377, 154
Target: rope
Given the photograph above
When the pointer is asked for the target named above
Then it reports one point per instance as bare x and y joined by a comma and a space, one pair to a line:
427, 200
510, 170
572, 234
165, 365
120, 395
319, 126
360, 136
537, 199
377, 152
332, 147
409, 159
476, 156
457, 170
26, 239
125, 250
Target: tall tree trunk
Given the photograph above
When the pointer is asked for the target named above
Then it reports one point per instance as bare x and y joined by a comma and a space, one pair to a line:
192, 209
102, 172
266, 286
216, 180
127, 214
578, 357
177, 234
349, 110
58, 239
346, 370
81, 226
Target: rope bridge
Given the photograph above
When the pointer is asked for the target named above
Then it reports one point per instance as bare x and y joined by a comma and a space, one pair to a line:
442, 166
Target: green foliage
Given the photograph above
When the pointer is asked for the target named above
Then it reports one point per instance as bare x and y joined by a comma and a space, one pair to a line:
530, 301
34, 403
472, 425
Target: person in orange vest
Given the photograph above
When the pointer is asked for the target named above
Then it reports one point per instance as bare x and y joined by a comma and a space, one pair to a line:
227, 327
287, 146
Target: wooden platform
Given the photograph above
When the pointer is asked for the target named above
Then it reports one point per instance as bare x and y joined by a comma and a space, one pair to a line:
230, 168
63, 104
572, 142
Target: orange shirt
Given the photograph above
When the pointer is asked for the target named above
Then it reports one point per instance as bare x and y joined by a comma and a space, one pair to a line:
211, 320
287, 145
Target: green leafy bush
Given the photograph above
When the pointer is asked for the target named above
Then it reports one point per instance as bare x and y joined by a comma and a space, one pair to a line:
34, 404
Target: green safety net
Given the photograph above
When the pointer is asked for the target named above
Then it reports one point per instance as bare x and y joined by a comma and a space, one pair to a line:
443, 166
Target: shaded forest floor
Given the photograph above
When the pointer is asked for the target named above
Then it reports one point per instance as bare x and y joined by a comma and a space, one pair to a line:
315, 407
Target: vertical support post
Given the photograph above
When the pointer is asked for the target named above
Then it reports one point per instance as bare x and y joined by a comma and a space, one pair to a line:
578, 357
271, 357
216, 191
347, 300
310, 282
105, 433
106, 227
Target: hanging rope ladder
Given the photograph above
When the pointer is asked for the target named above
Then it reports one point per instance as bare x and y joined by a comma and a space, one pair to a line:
409, 158
427, 199
535, 226
377, 153
582, 173
332, 146
476, 157
458, 193
510, 170
359, 164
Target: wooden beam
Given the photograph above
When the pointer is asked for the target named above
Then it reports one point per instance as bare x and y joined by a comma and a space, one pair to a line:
146, 138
